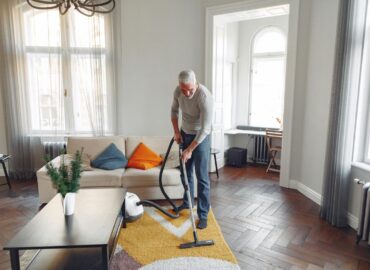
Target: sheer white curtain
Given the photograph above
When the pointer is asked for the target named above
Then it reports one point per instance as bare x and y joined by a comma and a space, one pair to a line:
12, 75
57, 76
91, 69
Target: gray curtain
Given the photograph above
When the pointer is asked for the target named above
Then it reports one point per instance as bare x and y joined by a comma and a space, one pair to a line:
346, 82
18, 141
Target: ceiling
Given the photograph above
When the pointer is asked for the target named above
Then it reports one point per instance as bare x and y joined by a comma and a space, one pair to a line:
253, 14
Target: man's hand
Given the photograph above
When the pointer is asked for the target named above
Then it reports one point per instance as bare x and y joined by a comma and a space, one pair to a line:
178, 137
186, 154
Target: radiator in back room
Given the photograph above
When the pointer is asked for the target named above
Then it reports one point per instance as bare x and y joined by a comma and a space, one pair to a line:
260, 150
363, 231
53, 149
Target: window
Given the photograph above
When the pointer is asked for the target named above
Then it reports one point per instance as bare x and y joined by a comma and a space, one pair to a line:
362, 132
362, 152
68, 59
267, 81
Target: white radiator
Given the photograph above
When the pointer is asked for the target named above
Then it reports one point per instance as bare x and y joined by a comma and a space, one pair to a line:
53, 149
260, 150
363, 231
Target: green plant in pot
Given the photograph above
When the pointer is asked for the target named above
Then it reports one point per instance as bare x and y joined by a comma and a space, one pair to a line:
66, 179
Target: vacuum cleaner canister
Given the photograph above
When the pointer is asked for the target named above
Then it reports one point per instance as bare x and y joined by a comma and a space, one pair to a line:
133, 211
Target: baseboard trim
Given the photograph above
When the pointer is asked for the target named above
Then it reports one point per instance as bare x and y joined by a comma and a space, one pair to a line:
293, 184
305, 190
221, 164
316, 197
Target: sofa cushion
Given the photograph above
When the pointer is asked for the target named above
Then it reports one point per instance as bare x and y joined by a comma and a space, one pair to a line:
102, 178
93, 146
158, 144
144, 158
139, 178
93, 178
110, 159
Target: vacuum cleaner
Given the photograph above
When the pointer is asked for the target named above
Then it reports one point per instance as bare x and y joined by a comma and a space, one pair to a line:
134, 207
155, 205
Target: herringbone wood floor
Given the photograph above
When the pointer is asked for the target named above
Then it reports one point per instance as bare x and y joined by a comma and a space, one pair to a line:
269, 227
17, 207
266, 226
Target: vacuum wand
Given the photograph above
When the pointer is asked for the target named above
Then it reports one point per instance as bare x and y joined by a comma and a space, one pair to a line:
196, 242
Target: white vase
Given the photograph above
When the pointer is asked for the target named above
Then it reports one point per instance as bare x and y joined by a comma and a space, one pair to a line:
69, 203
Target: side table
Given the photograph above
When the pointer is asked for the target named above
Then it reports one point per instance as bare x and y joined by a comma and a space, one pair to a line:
3, 159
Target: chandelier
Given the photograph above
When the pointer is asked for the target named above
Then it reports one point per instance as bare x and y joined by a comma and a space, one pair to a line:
85, 7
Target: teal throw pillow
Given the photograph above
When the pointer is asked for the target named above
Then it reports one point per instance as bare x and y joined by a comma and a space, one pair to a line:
110, 159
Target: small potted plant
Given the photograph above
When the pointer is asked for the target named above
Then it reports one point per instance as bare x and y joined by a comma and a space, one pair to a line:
66, 179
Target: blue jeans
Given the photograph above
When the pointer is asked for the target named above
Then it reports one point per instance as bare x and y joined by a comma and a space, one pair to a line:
200, 160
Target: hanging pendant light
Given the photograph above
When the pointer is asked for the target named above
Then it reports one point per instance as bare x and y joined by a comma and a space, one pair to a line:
85, 7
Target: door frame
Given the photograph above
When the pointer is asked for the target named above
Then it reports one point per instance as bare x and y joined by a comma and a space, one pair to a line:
290, 65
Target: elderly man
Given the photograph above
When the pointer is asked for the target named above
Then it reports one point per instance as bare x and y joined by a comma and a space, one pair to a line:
196, 104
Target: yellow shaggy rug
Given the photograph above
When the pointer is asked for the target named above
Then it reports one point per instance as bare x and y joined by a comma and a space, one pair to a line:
152, 243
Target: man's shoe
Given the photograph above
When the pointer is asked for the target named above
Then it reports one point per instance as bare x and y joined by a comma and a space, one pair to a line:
182, 207
202, 224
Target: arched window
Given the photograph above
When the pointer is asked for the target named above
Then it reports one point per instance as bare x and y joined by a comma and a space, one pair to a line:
269, 40
267, 81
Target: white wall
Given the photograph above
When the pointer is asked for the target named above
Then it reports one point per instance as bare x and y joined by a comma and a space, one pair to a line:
232, 47
232, 32
320, 63
160, 38
300, 88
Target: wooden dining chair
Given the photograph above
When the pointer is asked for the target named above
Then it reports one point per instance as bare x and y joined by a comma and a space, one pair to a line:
272, 137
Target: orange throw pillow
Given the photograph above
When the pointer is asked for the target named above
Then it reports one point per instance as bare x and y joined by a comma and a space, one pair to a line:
144, 158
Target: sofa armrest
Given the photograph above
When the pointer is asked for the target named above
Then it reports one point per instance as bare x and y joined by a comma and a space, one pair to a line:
44, 184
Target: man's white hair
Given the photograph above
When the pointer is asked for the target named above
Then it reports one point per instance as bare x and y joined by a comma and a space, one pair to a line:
187, 76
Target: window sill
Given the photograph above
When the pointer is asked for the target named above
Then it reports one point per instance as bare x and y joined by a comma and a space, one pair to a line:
362, 166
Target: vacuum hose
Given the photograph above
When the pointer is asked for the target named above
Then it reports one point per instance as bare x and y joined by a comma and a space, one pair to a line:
153, 204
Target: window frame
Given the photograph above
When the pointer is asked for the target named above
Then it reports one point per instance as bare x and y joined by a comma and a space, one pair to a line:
364, 108
362, 132
266, 55
362, 126
66, 52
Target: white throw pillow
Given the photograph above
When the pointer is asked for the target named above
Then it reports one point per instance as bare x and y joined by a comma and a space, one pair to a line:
68, 158
172, 160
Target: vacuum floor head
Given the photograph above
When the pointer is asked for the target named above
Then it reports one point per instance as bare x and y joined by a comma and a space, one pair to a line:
197, 244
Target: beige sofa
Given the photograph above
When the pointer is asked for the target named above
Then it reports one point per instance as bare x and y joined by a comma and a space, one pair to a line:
144, 183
